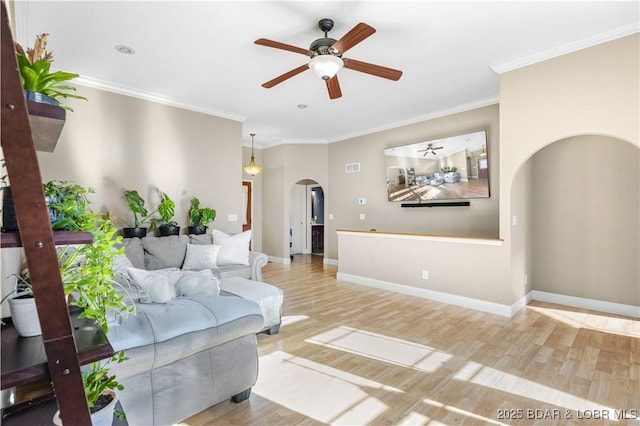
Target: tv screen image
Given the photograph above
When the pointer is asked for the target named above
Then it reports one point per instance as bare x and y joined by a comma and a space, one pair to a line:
453, 168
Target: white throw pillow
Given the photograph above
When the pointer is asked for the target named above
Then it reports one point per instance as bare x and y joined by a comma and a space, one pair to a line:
156, 285
201, 256
197, 283
234, 249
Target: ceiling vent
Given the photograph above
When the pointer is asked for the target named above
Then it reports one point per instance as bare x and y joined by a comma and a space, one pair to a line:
353, 168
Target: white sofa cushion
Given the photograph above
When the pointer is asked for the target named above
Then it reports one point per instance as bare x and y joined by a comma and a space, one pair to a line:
234, 249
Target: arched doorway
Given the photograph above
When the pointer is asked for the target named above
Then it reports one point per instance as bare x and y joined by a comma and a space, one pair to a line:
306, 218
578, 218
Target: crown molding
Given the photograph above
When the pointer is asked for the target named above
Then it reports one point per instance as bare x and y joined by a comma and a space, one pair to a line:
148, 96
442, 113
623, 31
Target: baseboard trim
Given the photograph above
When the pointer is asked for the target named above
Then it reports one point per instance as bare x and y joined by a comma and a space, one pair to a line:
452, 299
521, 303
492, 307
332, 262
584, 303
283, 260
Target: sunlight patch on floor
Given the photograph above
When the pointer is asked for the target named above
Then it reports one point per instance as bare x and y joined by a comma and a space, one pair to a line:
461, 412
317, 391
592, 320
292, 319
490, 377
414, 419
382, 348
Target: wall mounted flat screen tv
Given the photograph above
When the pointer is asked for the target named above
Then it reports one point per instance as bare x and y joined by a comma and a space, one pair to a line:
443, 169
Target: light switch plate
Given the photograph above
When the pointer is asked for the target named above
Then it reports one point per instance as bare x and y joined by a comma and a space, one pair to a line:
233, 218
362, 216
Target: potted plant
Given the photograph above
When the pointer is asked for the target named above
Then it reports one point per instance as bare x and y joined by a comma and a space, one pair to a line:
39, 83
199, 217
24, 315
65, 200
86, 270
165, 223
101, 390
140, 215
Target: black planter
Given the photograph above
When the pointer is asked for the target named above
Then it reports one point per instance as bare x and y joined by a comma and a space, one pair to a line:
134, 232
197, 229
166, 230
9, 219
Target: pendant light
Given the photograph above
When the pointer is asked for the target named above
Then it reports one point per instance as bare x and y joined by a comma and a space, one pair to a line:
252, 168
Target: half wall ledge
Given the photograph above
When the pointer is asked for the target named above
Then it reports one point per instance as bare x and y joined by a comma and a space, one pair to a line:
424, 237
469, 272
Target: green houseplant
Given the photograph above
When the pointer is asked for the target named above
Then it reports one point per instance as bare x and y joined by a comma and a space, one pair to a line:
199, 217
101, 390
36, 76
141, 215
165, 223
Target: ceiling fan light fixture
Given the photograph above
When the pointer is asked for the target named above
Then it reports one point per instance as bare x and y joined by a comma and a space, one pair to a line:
252, 168
326, 66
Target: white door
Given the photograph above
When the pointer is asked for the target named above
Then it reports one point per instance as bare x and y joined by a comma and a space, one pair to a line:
297, 212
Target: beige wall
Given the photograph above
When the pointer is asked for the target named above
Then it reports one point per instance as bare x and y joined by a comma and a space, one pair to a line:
256, 186
284, 166
478, 220
115, 142
585, 219
594, 91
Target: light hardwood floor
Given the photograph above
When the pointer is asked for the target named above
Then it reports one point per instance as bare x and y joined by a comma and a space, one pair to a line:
349, 354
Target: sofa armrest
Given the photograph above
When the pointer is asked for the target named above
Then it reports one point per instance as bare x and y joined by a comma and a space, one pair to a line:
257, 261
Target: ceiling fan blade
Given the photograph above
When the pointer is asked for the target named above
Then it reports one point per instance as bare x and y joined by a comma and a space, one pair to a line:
433, 152
353, 37
287, 75
439, 147
334, 88
283, 46
377, 70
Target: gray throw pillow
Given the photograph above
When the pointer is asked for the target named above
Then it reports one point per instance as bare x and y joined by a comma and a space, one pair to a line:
164, 252
133, 250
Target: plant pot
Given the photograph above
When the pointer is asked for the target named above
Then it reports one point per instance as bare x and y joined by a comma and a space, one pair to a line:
24, 315
134, 232
166, 230
197, 229
40, 98
102, 417
9, 219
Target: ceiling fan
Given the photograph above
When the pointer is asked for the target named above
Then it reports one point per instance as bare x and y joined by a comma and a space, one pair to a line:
326, 57
430, 149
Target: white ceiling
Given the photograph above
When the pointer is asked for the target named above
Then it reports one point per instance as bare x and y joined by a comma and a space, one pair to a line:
201, 56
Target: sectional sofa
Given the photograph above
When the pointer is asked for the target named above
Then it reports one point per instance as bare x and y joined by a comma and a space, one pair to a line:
189, 345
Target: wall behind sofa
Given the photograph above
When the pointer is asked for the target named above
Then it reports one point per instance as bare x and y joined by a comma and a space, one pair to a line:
114, 142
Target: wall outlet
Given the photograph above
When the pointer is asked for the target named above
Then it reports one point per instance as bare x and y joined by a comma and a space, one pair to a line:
526, 278
362, 216
425, 274
233, 218
514, 220
330, 216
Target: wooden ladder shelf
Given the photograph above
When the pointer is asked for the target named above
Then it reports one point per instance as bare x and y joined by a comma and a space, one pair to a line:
38, 241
